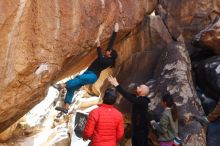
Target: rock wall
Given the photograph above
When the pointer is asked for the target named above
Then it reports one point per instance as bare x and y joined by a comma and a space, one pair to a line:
8, 132
165, 65
209, 36
187, 17
173, 75
43, 41
149, 40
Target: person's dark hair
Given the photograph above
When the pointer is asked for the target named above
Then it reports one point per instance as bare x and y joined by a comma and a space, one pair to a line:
110, 96
170, 103
114, 56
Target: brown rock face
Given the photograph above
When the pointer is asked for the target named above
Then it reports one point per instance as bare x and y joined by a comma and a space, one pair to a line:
41, 39
143, 47
44, 41
209, 37
8, 132
187, 17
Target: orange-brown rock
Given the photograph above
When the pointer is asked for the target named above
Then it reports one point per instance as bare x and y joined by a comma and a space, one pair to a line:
40, 40
209, 37
187, 17
143, 47
8, 132
44, 41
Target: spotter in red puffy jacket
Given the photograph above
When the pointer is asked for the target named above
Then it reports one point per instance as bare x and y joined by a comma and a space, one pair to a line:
104, 126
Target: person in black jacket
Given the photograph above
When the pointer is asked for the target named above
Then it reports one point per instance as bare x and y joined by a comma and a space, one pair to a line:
139, 115
93, 72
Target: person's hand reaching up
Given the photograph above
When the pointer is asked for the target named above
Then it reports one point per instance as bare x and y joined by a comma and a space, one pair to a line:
113, 81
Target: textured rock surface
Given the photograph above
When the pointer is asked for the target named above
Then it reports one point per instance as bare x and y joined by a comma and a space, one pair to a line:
173, 75
8, 132
149, 38
57, 136
208, 103
44, 41
40, 40
145, 43
168, 63
40, 126
208, 76
209, 36
188, 17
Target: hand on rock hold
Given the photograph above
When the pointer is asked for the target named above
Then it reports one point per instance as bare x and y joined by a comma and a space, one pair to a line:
97, 42
116, 27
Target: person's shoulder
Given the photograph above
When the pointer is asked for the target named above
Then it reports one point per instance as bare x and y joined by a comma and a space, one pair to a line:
145, 98
94, 111
117, 112
100, 109
166, 113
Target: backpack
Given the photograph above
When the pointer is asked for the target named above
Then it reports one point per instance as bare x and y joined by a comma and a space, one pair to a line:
80, 123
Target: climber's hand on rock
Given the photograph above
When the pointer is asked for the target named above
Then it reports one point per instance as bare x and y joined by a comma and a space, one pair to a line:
116, 27
113, 81
97, 42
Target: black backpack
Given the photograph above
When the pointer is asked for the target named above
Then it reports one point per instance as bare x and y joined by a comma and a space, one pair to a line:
80, 123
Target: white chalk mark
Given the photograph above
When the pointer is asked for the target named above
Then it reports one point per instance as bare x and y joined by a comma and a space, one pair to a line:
120, 6
17, 18
103, 3
9, 65
57, 11
99, 33
43, 67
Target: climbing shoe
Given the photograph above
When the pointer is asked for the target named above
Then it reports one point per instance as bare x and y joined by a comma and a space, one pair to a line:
62, 109
57, 86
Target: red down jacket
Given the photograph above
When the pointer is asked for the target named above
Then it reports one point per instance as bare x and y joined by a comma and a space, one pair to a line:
104, 126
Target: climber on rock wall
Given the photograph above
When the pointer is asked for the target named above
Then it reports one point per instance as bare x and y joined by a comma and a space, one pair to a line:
93, 72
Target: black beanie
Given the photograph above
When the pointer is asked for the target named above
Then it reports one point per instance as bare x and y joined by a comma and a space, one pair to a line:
110, 96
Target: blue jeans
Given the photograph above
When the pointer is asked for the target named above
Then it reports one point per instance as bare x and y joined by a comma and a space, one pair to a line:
88, 77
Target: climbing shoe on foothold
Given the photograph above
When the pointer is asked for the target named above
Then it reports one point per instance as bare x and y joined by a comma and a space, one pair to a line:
62, 109
57, 86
